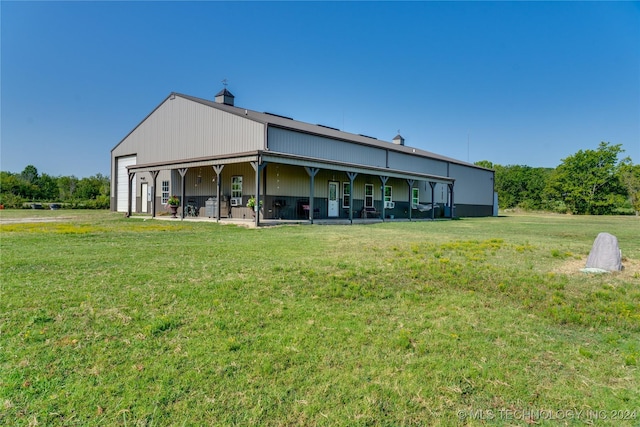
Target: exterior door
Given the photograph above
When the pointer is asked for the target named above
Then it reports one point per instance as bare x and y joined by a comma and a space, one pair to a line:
333, 200
122, 188
144, 197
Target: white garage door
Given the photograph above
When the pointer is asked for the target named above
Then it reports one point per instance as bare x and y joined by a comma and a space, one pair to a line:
123, 184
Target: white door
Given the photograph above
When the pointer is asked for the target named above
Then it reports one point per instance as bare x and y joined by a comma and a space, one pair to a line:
144, 197
333, 199
123, 184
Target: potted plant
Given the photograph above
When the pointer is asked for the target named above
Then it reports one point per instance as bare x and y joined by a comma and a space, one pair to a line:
251, 203
173, 204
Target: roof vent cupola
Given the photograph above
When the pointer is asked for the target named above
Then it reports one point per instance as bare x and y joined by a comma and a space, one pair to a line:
224, 97
398, 139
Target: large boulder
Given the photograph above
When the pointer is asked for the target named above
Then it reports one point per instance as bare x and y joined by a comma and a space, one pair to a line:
605, 253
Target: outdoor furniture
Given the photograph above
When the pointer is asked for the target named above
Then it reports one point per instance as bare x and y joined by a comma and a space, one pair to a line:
369, 212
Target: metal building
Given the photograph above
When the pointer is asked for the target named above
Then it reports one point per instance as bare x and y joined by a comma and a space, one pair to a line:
216, 157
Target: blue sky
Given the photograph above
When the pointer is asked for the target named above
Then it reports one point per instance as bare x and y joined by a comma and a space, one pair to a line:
526, 83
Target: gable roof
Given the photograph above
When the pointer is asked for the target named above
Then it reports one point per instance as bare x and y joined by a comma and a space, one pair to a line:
270, 119
275, 120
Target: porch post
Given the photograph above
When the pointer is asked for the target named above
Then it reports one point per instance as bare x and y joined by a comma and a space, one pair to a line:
384, 180
258, 167
218, 170
312, 172
433, 198
410, 182
154, 177
183, 172
352, 177
130, 196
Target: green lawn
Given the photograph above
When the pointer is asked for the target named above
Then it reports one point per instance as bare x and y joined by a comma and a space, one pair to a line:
113, 321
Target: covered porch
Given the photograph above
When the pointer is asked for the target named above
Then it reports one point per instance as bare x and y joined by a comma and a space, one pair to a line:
293, 189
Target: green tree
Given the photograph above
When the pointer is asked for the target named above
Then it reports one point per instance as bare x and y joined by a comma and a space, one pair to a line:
30, 174
67, 187
48, 188
92, 187
484, 163
588, 181
519, 186
630, 177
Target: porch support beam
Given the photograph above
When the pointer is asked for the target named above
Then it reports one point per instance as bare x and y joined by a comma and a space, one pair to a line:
384, 180
410, 183
312, 172
258, 167
433, 198
154, 180
130, 195
352, 177
183, 172
218, 170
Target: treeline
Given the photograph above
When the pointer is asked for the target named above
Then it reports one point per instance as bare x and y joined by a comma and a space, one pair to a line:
594, 182
591, 182
18, 190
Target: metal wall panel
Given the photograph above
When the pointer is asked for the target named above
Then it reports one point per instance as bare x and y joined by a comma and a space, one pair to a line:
417, 164
473, 186
286, 141
183, 129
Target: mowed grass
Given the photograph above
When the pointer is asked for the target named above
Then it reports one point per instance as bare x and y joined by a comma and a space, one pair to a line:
113, 321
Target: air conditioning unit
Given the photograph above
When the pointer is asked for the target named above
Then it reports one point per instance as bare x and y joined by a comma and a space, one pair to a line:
236, 201
389, 205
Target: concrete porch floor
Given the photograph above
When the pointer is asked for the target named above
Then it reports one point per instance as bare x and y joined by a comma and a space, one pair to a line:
250, 222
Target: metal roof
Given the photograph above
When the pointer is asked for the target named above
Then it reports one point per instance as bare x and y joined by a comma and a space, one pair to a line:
276, 120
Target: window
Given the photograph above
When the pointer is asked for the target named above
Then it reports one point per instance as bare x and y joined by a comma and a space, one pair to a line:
236, 186
346, 194
388, 193
368, 195
165, 192
415, 196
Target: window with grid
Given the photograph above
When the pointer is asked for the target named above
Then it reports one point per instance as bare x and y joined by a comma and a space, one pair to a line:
236, 186
415, 197
388, 193
368, 195
346, 194
165, 192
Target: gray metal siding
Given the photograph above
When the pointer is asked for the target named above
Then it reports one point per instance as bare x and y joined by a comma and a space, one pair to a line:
412, 163
473, 186
286, 141
182, 129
